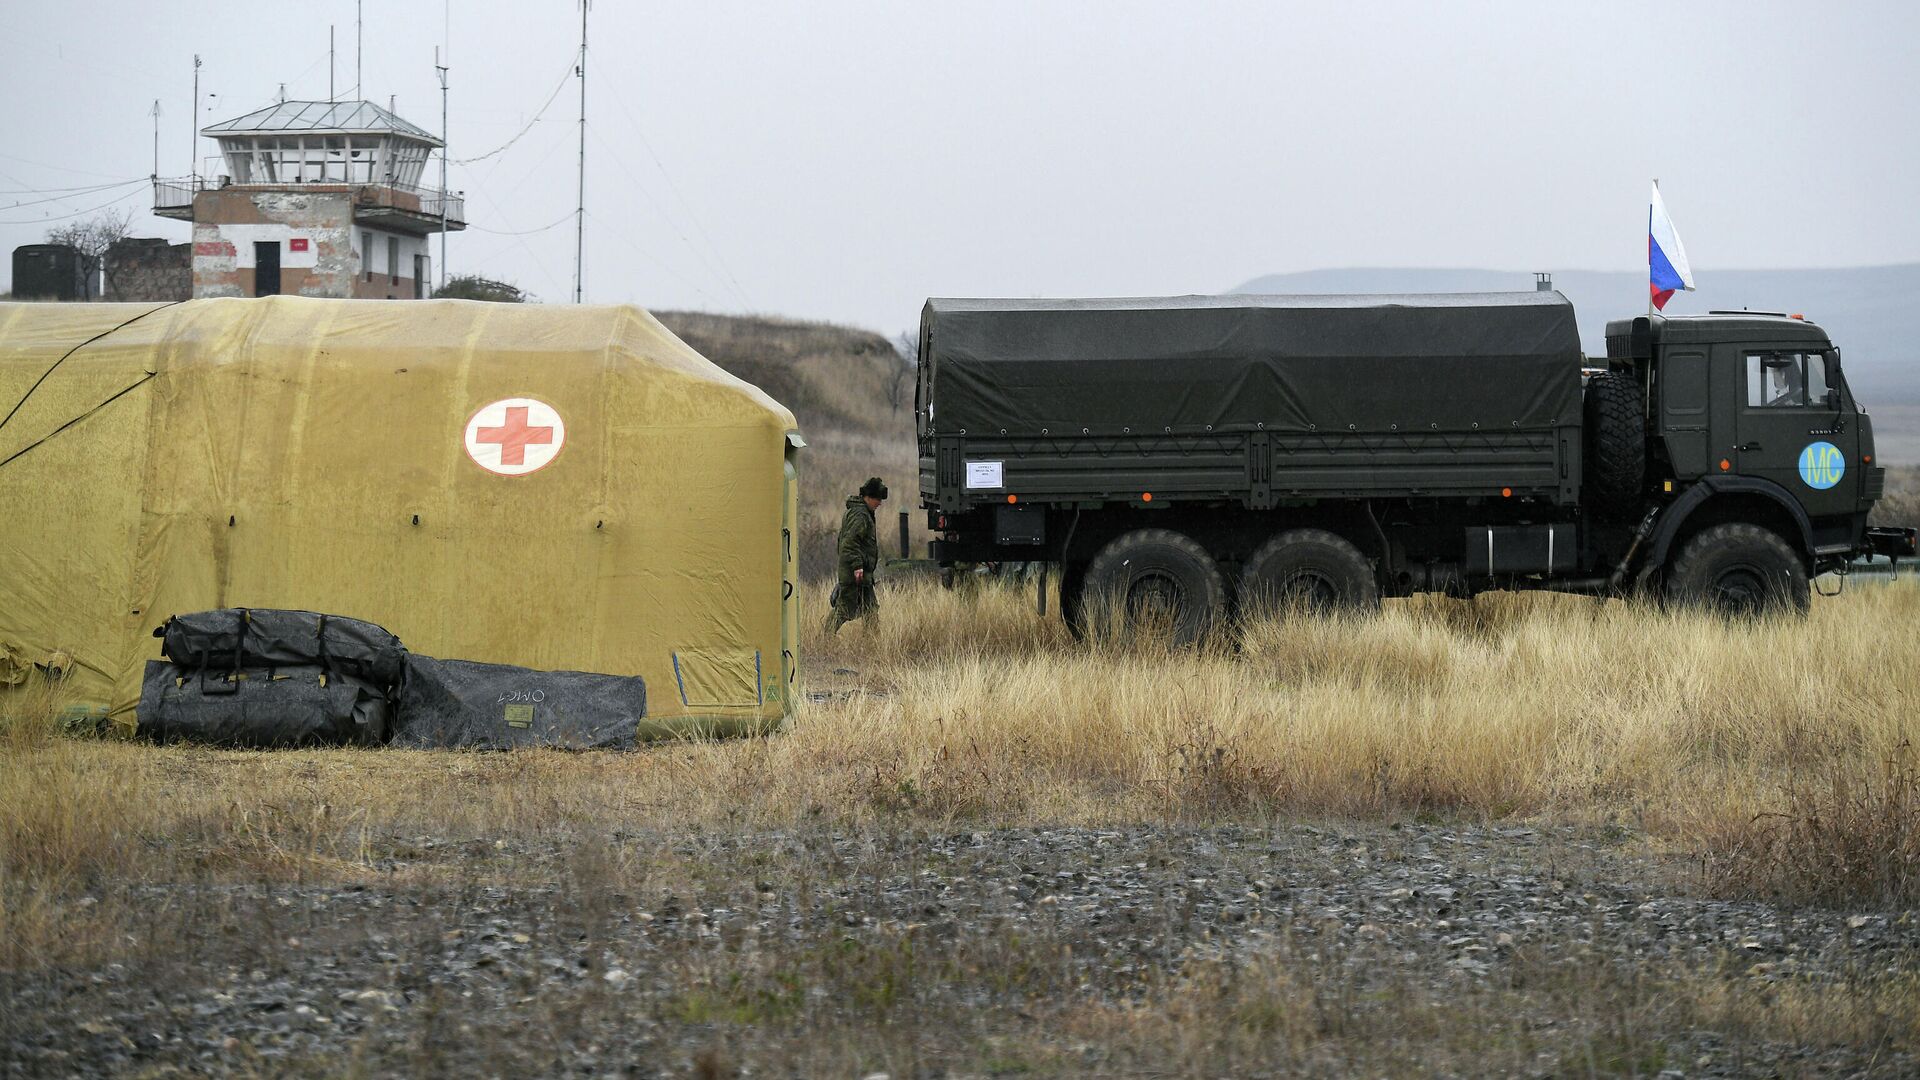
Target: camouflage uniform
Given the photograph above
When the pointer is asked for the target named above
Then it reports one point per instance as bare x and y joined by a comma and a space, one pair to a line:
859, 549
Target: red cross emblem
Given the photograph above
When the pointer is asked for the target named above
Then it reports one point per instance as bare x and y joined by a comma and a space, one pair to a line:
515, 436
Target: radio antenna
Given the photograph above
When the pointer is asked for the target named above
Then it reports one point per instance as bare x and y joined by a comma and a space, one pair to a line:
580, 205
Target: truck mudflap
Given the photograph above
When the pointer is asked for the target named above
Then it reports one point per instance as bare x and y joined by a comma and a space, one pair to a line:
1893, 542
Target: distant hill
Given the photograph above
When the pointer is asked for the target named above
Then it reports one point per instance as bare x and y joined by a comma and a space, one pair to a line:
833, 378
1872, 312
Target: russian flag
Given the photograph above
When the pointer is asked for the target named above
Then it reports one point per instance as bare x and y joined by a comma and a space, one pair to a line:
1667, 269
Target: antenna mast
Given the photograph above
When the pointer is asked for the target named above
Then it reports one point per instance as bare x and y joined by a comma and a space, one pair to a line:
359, 88
193, 124
156, 138
442, 69
580, 206
330, 96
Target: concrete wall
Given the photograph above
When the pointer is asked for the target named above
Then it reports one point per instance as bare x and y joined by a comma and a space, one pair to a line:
149, 269
322, 251
227, 224
378, 267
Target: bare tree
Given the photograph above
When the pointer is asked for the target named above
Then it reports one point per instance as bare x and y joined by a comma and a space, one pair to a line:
91, 238
906, 347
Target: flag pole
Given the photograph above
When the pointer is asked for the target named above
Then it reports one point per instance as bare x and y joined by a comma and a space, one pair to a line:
1656, 184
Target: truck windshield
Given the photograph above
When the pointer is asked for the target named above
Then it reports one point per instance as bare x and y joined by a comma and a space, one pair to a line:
1786, 380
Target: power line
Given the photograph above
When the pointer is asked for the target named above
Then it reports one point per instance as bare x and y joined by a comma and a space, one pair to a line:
540, 170
85, 191
681, 199
637, 248
520, 238
78, 190
551, 98
75, 214
22, 183
56, 168
556, 223
667, 219
309, 69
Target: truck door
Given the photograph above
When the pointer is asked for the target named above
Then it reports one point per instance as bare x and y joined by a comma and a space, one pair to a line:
1683, 411
1792, 431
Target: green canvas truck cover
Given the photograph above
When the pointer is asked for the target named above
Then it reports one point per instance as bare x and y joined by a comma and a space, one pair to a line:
1452, 362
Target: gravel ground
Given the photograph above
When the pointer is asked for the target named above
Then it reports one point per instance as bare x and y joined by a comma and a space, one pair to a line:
1138, 951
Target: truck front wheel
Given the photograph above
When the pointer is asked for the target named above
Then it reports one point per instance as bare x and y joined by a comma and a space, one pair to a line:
1153, 579
1307, 568
1739, 569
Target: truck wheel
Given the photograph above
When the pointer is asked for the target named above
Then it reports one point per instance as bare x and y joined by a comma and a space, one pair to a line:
1739, 569
1153, 577
1310, 568
1616, 444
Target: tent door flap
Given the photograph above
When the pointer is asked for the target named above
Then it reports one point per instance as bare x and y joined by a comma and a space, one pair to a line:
718, 677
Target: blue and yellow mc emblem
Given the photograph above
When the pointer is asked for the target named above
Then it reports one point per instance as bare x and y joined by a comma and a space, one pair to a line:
1822, 465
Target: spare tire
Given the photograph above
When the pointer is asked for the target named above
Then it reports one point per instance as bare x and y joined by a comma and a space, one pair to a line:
1152, 580
1616, 445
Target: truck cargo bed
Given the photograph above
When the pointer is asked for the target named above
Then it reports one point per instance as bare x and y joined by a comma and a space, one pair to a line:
1253, 400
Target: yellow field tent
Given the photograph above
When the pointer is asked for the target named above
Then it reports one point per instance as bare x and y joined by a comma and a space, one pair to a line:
544, 486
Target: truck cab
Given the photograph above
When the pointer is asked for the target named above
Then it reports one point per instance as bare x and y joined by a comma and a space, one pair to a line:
1750, 418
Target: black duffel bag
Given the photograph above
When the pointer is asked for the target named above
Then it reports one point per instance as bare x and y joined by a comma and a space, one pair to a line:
466, 705
239, 639
293, 705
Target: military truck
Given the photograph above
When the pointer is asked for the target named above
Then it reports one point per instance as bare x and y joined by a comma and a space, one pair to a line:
1187, 458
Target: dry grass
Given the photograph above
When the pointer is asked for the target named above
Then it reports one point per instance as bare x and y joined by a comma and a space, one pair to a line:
1844, 834
1508, 705
1775, 752
1901, 504
1620, 1023
1743, 742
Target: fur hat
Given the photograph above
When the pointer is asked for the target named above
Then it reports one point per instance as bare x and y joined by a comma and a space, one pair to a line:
873, 489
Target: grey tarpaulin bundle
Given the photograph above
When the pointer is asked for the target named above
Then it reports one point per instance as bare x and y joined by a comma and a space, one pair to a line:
458, 703
275, 678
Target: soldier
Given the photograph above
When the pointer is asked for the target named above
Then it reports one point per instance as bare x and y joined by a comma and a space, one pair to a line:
859, 553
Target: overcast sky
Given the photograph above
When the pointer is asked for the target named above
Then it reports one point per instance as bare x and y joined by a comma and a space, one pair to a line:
841, 160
